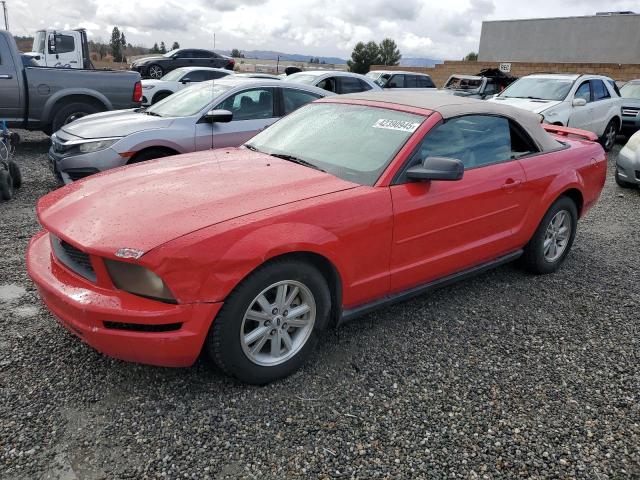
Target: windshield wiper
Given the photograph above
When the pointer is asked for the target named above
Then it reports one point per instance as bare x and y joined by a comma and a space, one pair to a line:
299, 161
154, 114
251, 147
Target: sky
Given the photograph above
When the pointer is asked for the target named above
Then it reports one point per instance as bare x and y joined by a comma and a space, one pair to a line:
432, 29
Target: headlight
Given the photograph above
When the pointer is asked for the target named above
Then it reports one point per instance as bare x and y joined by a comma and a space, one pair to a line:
148, 87
138, 280
634, 142
89, 147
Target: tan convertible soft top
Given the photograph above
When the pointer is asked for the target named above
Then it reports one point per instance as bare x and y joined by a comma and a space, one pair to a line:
453, 106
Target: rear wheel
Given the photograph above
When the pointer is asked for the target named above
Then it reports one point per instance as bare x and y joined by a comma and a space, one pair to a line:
269, 324
155, 71
6, 185
608, 138
70, 113
552, 241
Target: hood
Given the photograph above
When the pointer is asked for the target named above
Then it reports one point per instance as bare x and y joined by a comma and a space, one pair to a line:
142, 61
536, 106
118, 123
145, 205
461, 93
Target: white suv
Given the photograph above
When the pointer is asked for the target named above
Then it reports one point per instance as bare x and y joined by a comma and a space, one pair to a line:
588, 102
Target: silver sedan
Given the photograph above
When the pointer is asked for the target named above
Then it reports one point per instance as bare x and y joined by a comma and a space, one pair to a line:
335, 81
223, 113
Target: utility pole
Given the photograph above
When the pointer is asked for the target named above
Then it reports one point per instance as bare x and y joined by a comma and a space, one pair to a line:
6, 14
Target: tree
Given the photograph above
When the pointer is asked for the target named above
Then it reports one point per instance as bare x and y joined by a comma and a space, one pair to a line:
163, 49
235, 53
389, 52
471, 57
175, 46
363, 56
102, 50
116, 45
123, 45
155, 48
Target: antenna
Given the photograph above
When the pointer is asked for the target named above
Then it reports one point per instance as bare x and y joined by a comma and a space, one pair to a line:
6, 14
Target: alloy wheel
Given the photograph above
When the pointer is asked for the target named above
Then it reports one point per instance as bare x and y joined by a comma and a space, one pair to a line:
610, 137
278, 323
557, 236
155, 72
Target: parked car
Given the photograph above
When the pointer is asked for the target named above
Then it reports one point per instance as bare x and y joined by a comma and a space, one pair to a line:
260, 75
155, 90
333, 81
400, 79
187, 121
588, 102
348, 204
157, 67
630, 93
628, 163
40, 98
485, 84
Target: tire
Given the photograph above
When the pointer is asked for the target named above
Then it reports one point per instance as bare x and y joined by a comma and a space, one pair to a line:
6, 185
73, 111
534, 258
239, 358
159, 96
608, 138
155, 71
622, 183
150, 154
16, 174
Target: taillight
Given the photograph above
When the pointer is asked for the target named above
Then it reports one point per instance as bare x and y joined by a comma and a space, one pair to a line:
137, 92
232, 62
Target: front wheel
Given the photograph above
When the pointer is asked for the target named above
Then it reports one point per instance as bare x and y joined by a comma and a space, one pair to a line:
550, 244
156, 71
608, 139
269, 324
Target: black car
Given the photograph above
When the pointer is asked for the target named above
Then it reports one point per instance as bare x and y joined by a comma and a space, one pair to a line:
156, 67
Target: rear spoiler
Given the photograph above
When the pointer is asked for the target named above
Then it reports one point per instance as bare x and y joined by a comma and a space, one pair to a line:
573, 132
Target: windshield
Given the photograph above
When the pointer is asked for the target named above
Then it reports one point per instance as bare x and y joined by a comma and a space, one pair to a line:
383, 79
373, 75
301, 78
630, 90
539, 88
352, 142
171, 53
189, 101
38, 42
459, 83
174, 75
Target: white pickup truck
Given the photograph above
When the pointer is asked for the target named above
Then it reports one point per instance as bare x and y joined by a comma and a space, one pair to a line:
587, 102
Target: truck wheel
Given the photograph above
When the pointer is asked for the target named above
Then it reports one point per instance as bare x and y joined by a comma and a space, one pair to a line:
68, 113
155, 71
608, 138
16, 175
6, 185
552, 241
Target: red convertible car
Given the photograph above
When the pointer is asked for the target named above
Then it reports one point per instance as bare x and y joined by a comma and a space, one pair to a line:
347, 204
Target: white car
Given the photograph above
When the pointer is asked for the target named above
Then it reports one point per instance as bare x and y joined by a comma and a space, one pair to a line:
334, 81
400, 79
154, 90
588, 102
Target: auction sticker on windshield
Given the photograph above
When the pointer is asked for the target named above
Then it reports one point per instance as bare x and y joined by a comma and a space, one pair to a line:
400, 125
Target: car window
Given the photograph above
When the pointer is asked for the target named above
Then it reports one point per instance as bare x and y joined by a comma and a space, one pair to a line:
397, 81
201, 54
195, 76
476, 140
425, 82
364, 86
250, 105
615, 87
630, 90
188, 101
410, 81
584, 91
64, 44
294, 99
600, 91
213, 75
350, 85
538, 88
490, 88
328, 84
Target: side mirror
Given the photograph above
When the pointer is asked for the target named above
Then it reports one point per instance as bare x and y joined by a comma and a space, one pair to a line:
185, 80
218, 116
437, 168
579, 102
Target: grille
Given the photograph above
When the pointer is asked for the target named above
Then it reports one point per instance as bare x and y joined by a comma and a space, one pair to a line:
73, 258
630, 111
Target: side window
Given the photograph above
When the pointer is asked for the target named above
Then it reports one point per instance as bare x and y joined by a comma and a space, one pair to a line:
425, 82
614, 86
410, 81
328, 84
364, 86
397, 81
584, 91
476, 140
350, 85
600, 91
490, 88
65, 44
214, 75
195, 76
201, 54
294, 99
250, 104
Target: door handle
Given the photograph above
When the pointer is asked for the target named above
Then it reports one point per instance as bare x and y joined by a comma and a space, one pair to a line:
511, 183
6, 76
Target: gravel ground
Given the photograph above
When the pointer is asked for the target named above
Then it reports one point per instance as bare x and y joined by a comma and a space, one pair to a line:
506, 375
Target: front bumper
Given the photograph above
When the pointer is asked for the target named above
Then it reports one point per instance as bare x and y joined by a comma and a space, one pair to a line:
69, 168
85, 308
628, 166
630, 123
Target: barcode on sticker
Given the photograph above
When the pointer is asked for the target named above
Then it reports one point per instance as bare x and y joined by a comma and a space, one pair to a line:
400, 125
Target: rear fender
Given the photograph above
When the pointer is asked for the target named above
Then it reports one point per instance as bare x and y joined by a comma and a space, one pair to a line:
65, 94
